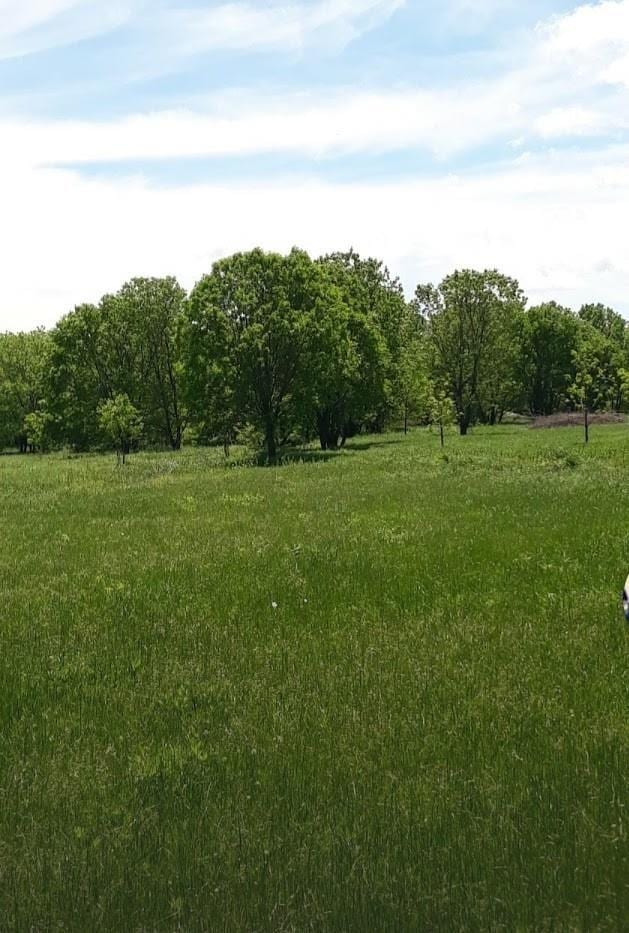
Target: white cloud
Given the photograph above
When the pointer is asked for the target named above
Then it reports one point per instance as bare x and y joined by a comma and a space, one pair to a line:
576, 121
591, 44
28, 26
17, 16
573, 81
549, 221
553, 221
245, 125
175, 32
591, 29
284, 26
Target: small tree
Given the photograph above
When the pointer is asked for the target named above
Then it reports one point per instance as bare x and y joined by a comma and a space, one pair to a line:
120, 421
35, 430
593, 385
442, 412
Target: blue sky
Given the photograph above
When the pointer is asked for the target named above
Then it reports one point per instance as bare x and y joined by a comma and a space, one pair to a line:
150, 138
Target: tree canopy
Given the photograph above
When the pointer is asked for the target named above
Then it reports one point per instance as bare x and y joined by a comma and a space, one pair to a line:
287, 349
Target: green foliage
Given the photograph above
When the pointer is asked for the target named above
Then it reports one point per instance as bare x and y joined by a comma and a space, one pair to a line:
377, 297
595, 371
36, 431
121, 423
281, 343
244, 340
79, 376
549, 335
442, 411
607, 321
287, 350
598, 378
412, 382
24, 361
349, 362
126, 345
471, 327
150, 310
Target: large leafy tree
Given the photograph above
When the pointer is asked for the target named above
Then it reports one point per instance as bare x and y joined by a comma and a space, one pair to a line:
210, 381
245, 340
548, 339
149, 310
500, 387
92, 360
343, 381
124, 346
372, 293
24, 361
470, 319
349, 354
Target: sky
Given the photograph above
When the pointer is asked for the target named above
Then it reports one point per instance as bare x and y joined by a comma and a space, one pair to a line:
152, 137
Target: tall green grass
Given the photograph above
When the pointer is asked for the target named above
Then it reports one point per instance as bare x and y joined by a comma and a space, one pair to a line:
386, 689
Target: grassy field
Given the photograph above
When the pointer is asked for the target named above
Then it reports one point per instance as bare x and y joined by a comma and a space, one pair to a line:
378, 690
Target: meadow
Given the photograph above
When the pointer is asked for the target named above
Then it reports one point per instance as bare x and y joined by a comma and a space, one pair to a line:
385, 689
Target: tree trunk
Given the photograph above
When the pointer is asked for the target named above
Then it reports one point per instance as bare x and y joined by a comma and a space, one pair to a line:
586, 424
270, 441
405, 419
322, 430
328, 430
443, 440
465, 419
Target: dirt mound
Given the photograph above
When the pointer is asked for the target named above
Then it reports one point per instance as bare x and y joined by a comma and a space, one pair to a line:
573, 419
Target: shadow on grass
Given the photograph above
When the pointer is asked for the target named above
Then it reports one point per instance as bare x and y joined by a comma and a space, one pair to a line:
314, 455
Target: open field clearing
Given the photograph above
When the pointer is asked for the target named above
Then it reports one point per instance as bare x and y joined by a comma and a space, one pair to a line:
382, 689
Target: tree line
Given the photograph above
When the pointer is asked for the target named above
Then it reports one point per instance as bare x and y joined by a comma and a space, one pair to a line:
283, 349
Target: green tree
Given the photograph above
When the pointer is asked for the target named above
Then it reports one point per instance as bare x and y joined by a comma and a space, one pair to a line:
207, 341
374, 295
125, 345
469, 319
411, 382
148, 311
596, 373
343, 378
548, 340
607, 321
442, 411
245, 333
615, 329
24, 361
85, 370
36, 430
121, 423
500, 386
